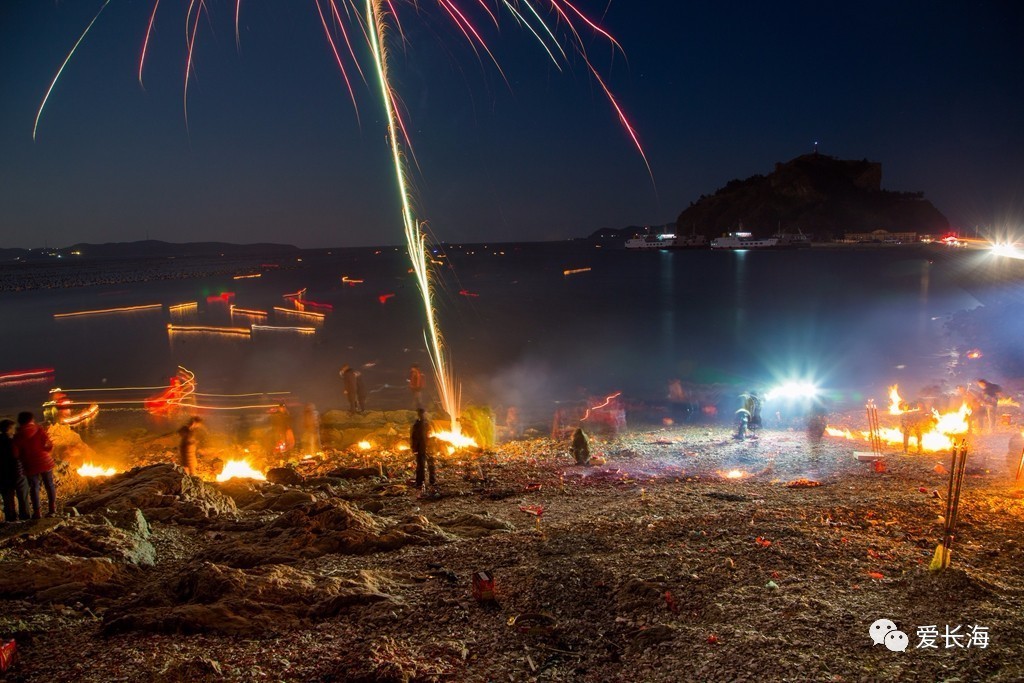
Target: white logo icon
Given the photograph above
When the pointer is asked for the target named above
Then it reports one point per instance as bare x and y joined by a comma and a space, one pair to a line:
896, 641
880, 629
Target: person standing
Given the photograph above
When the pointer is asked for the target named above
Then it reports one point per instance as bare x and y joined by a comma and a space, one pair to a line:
282, 436
989, 399
580, 447
349, 381
189, 446
32, 446
13, 484
419, 442
310, 430
749, 415
360, 393
416, 383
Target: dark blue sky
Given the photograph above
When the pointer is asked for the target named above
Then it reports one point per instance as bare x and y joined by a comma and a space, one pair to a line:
717, 90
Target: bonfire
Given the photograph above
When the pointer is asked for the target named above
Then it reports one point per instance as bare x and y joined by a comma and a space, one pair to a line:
89, 469
239, 469
943, 429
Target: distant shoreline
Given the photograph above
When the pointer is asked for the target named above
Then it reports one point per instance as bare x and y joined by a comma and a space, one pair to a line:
17, 276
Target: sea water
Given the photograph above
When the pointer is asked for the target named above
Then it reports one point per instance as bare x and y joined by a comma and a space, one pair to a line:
526, 325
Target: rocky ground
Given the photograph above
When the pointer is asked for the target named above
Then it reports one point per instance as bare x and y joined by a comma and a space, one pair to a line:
651, 566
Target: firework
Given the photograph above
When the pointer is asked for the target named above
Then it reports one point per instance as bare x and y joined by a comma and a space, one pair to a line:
560, 27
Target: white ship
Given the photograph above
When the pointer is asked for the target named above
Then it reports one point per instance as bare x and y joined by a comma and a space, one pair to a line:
667, 241
746, 240
743, 240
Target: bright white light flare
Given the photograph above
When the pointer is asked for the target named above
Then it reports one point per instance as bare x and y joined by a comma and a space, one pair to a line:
239, 469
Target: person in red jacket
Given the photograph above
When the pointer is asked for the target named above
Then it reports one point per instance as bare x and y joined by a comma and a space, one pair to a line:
416, 384
32, 446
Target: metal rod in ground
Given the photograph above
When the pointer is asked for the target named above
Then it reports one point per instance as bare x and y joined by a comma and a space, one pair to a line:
958, 487
878, 429
1020, 465
873, 436
871, 427
946, 532
953, 505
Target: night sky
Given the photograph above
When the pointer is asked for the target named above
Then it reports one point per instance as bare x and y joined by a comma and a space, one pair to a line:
274, 152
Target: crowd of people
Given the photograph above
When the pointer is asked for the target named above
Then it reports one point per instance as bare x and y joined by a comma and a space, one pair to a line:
281, 437
26, 466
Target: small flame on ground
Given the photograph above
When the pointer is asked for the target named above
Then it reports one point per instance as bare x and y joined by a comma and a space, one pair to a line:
365, 445
735, 474
88, 469
457, 440
239, 469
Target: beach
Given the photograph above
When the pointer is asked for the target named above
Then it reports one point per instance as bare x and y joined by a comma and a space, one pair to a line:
653, 565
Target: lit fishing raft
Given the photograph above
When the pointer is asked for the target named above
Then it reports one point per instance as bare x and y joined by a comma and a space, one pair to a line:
104, 311
209, 329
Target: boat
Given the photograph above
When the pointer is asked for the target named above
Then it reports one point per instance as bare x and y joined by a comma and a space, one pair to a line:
789, 240
662, 241
744, 240
691, 242
667, 241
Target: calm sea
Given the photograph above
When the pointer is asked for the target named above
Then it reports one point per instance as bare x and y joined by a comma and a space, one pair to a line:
520, 331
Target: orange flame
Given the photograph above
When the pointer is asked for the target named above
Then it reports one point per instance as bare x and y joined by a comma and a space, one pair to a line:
940, 437
239, 469
90, 470
456, 441
895, 401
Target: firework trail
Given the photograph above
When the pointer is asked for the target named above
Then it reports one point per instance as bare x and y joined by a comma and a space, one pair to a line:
560, 27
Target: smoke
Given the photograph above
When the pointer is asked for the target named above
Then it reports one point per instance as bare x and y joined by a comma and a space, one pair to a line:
530, 385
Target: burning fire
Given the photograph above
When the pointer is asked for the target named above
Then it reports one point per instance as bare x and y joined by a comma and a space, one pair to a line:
939, 438
1007, 402
365, 445
455, 440
734, 474
90, 470
239, 469
895, 401
844, 433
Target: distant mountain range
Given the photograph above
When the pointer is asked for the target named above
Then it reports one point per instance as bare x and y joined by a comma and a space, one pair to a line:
151, 249
820, 196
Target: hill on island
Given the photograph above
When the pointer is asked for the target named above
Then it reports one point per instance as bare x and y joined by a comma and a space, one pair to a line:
819, 195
